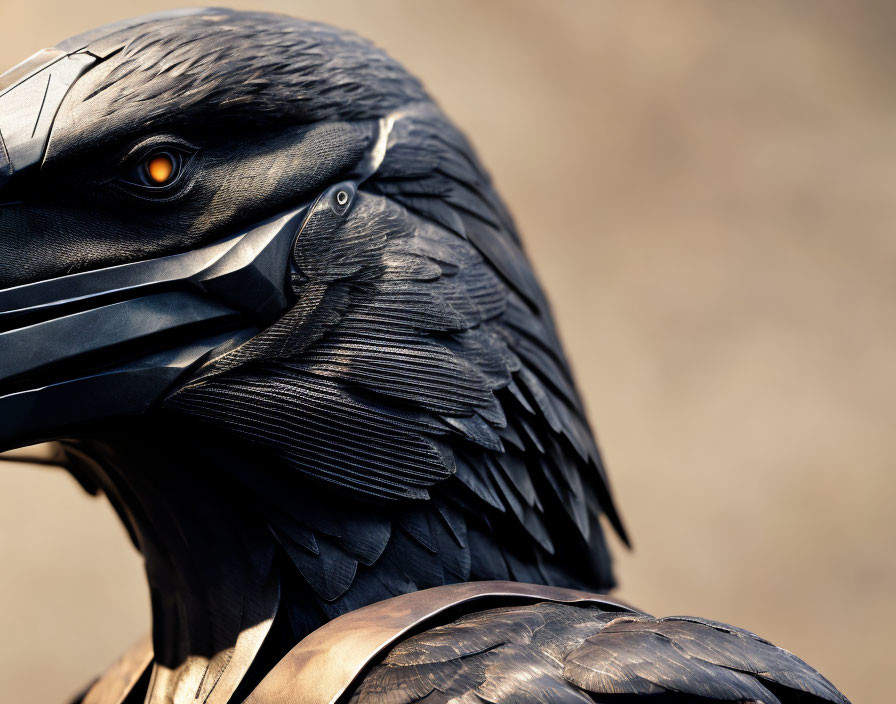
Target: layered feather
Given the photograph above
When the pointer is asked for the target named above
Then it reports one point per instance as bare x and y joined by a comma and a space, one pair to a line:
562, 654
420, 363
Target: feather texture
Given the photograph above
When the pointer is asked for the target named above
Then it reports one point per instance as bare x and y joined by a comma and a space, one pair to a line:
556, 653
419, 362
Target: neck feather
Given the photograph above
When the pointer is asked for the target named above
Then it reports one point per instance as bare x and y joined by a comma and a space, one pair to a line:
238, 576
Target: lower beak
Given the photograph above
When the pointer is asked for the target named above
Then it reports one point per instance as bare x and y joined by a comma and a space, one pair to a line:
106, 344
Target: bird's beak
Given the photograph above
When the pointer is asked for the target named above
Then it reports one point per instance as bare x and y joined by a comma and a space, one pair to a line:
108, 343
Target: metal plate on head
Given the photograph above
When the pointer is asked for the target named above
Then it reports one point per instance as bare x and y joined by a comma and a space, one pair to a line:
29, 105
29, 67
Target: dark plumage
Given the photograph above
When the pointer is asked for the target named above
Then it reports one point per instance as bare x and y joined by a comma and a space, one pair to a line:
408, 421
561, 653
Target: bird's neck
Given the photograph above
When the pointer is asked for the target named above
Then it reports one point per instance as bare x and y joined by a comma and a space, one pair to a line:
243, 560
223, 608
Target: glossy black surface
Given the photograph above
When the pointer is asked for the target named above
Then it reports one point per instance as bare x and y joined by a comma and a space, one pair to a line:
86, 335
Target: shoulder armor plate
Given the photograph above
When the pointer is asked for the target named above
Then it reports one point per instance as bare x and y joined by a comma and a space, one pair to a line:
323, 666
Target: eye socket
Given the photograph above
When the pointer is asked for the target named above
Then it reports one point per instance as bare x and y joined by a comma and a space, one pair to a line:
157, 172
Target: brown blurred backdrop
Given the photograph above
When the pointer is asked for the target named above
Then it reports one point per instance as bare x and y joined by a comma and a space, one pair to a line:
707, 191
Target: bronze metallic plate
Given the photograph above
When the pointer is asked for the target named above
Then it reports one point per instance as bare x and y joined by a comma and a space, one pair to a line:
323, 665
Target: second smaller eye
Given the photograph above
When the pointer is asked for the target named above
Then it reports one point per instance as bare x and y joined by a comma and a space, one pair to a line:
160, 169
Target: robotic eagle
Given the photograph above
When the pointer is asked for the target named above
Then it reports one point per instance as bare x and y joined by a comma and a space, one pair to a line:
264, 294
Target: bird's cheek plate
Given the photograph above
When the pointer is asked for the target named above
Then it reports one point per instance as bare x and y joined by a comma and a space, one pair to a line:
326, 214
98, 345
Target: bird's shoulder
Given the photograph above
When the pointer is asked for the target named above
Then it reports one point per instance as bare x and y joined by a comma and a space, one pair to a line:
558, 653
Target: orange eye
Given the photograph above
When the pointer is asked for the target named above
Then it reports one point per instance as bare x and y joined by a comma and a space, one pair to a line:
160, 168
156, 171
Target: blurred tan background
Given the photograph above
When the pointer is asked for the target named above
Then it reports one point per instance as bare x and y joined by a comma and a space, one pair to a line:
707, 191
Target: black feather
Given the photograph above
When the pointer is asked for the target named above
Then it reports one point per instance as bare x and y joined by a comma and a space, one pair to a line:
553, 653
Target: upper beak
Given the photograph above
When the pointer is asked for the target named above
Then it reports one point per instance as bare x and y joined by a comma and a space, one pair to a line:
108, 343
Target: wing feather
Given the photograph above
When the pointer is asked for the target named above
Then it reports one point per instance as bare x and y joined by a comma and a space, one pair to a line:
550, 653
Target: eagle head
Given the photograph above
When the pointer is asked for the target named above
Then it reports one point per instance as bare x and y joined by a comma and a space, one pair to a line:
266, 296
